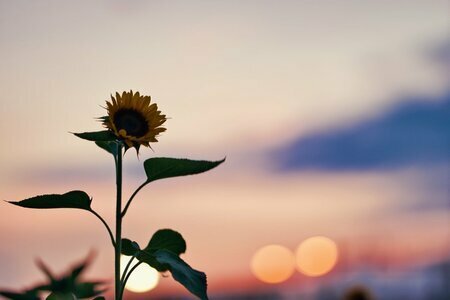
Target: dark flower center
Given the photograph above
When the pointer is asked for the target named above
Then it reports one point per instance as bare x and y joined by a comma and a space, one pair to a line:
131, 121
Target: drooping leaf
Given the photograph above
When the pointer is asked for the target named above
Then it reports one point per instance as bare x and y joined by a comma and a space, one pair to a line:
162, 253
163, 167
163, 239
110, 147
167, 239
97, 136
149, 258
72, 199
129, 247
193, 280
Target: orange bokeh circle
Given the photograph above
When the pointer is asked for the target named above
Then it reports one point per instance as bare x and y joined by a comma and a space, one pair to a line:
273, 264
316, 256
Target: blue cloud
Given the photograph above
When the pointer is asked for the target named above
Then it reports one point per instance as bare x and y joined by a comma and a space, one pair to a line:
416, 132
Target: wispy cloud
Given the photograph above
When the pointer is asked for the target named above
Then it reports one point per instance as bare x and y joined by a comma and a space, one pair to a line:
414, 133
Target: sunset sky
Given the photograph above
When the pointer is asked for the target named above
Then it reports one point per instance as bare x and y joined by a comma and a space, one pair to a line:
333, 116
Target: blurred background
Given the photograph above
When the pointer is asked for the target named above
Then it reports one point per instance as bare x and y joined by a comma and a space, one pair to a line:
334, 117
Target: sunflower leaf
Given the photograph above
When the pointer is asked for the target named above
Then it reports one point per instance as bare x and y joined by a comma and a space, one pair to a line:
108, 146
164, 260
162, 167
97, 136
129, 247
72, 199
167, 239
162, 253
193, 280
149, 258
163, 239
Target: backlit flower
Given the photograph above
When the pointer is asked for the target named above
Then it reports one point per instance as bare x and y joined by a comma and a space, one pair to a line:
134, 119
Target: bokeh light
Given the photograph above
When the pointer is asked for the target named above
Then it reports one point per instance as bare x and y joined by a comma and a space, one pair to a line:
144, 278
273, 264
316, 256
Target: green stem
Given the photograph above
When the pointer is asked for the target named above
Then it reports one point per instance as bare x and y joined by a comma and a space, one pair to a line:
127, 277
106, 225
118, 247
131, 198
126, 268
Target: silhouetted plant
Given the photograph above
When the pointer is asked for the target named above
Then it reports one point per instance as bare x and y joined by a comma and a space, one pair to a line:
67, 286
133, 121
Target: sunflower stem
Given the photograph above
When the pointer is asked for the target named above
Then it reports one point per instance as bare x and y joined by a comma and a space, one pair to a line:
106, 226
127, 277
124, 273
131, 198
118, 247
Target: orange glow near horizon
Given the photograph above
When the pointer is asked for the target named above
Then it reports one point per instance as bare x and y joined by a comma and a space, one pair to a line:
143, 279
273, 264
316, 256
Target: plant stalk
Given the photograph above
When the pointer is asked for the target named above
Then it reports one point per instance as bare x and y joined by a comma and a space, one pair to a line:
131, 198
118, 247
106, 226
126, 270
128, 276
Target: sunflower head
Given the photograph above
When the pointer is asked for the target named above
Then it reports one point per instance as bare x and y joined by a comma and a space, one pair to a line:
134, 119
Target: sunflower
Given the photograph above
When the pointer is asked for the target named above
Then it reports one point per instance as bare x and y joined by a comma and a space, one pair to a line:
133, 119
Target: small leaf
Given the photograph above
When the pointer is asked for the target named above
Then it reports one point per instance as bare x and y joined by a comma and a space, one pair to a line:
162, 167
97, 136
108, 146
72, 199
167, 239
129, 247
193, 280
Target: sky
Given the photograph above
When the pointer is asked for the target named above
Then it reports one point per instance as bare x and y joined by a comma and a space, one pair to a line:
333, 117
